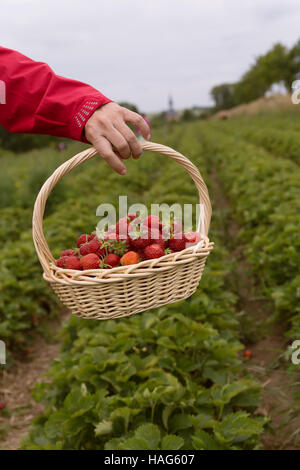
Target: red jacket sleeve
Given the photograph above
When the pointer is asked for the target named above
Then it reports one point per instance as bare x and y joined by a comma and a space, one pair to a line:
34, 100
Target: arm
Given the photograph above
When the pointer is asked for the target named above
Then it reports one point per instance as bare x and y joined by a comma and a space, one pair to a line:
39, 102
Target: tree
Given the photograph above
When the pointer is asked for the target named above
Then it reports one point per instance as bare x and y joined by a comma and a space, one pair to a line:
268, 69
293, 70
223, 95
188, 115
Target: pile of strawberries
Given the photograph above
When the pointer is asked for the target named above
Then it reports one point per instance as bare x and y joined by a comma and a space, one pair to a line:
132, 240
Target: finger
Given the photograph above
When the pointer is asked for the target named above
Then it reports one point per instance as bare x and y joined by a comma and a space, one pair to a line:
119, 142
133, 142
138, 121
103, 146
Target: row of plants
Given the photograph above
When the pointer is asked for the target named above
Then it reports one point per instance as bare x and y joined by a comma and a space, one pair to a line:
282, 140
265, 194
21, 178
171, 378
26, 301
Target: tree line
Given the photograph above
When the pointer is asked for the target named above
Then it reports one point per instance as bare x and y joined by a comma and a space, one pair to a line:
278, 65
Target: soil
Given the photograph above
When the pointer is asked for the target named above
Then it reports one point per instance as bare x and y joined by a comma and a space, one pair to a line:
16, 383
265, 339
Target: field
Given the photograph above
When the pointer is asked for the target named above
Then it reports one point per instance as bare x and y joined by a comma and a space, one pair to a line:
212, 372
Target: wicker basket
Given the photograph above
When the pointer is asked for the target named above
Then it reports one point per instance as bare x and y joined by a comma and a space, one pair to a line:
125, 290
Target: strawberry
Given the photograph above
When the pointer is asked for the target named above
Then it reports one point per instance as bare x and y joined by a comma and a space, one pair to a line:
84, 249
178, 243
131, 257
131, 216
154, 251
247, 353
112, 260
157, 238
142, 255
191, 238
177, 226
152, 221
68, 253
73, 262
95, 246
110, 236
138, 239
61, 262
122, 227
139, 243
82, 239
101, 252
90, 261
91, 237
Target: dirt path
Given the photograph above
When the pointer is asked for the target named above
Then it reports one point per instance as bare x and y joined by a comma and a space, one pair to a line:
15, 386
264, 338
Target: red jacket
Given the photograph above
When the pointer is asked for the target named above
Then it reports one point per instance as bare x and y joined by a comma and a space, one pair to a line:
34, 100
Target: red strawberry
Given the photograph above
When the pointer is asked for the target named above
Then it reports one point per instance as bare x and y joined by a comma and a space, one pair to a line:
61, 262
110, 236
154, 251
73, 262
157, 238
191, 238
177, 243
68, 253
101, 252
138, 239
142, 255
84, 249
131, 216
139, 243
82, 239
122, 227
152, 221
131, 257
112, 260
94, 245
90, 261
177, 226
91, 237
248, 353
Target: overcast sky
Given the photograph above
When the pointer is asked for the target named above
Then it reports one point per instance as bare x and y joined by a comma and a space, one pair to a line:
142, 51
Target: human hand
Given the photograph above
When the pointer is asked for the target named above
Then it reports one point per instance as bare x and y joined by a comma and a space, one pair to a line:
107, 131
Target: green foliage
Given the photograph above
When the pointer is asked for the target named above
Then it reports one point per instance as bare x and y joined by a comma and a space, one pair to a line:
223, 96
278, 65
162, 367
188, 115
265, 194
22, 142
165, 379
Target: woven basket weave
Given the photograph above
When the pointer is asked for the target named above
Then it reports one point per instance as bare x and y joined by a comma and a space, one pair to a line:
125, 290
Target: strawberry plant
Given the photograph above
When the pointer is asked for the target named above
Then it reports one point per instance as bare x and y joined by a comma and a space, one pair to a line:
165, 379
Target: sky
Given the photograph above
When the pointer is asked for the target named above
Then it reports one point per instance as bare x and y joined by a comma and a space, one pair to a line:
143, 51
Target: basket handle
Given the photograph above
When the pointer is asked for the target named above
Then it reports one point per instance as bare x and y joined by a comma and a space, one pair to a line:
40, 243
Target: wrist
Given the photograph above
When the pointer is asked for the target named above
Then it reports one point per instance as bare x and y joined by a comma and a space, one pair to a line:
84, 111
